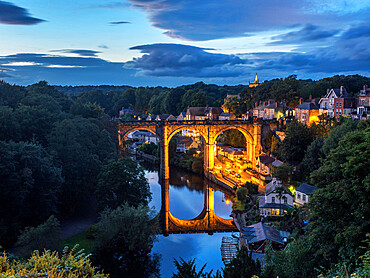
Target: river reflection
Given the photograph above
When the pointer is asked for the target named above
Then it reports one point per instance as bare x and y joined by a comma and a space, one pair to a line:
186, 201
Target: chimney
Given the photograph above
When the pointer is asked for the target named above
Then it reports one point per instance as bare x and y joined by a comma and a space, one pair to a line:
261, 102
256, 104
342, 90
327, 91
301, 100
310, 98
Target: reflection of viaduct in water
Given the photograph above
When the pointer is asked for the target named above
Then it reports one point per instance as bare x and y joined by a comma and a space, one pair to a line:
206, 222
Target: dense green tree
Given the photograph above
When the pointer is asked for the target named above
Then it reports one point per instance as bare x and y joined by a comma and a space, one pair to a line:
44, 236
43, 88
80, 147
172, 101
11, 95
233, 105
197, 165
312, 158
9, 126
142, 98
331, 142
149, 148
125, 238
234, 138
156, 104
298, 138
87, 110
295, 261
283, 172
242, 266
339, 209
122, 181
29, 186
242, 194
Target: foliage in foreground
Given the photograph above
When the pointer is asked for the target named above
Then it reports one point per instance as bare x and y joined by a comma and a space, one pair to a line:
187, 269
124, 238
44, 236
71, 264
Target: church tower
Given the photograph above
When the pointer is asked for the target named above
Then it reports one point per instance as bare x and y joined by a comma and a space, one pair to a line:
255, 83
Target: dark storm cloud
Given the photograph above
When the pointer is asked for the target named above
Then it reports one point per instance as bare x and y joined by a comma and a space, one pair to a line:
81, 52
14, 15
185, 60
119, 22
206, 20
360, 31
309, 33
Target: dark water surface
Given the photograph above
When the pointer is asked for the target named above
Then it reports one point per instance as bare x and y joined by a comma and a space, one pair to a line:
186, 201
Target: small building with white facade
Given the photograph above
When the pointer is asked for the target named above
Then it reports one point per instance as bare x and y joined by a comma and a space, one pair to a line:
272, 203
303, 193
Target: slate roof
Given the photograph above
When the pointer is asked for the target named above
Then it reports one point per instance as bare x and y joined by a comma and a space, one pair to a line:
266, 159
260, 231
306, 188
307, 106
277, 163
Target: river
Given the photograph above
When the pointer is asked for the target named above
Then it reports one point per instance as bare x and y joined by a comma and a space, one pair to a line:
186, 201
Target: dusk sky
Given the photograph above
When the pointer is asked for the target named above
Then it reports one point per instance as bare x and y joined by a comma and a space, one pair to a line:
175, 42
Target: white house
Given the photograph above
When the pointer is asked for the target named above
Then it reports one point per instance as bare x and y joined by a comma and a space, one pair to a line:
143, 136
327, 102
303, 193
271, 204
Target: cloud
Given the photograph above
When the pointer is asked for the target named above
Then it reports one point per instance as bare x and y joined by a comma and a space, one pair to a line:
3, 74
80, 52
29, 68
14, 15
113, 5
184, 60
103, 46
119, 22
359, 31
309, 33
207, 20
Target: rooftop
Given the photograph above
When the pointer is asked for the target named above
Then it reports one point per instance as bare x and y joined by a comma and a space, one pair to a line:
260, 231
306, 188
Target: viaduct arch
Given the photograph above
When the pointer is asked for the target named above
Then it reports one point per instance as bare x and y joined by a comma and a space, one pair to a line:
208, 129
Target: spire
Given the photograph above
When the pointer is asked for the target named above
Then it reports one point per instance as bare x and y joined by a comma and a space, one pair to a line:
256, 79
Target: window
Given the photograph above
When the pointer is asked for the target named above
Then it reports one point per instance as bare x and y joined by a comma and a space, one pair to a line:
340, 104
273, 199
285, 200
298, 196
340, 112
303, 197
336, 104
